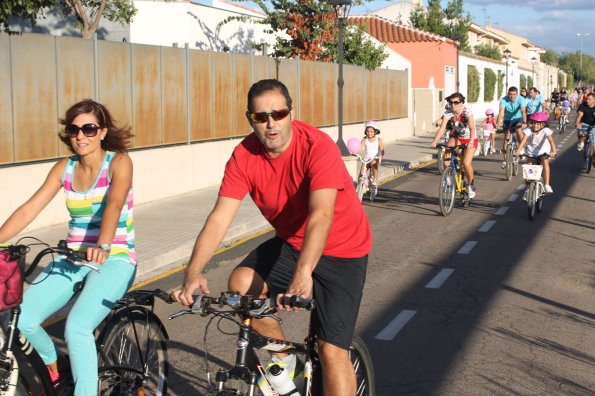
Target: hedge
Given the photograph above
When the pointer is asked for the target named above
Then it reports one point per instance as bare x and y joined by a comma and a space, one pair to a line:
489, 84
472, 84
523, 82
500, 84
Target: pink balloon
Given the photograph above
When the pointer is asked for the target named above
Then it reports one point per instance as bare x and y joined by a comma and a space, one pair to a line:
354, 145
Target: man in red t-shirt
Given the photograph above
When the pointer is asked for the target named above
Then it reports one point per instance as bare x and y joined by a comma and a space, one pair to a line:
296, 177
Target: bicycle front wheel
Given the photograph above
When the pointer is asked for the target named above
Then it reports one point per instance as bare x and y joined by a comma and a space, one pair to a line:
532, 200
509, 159
134, 357
360, 188
440, 160
588, 156
446, 192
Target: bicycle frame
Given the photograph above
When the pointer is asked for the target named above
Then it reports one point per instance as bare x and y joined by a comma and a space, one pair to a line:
364, 179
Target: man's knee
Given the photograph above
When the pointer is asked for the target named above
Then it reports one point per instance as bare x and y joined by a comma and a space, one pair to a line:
330, 353
246, 281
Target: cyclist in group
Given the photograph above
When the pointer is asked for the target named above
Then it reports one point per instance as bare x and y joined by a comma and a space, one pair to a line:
555, 98
535, 102
564, 111
512, 116
488, 126
585, 121
538, 140
460, 123
97, 183
373, 149
524, 93
296, 177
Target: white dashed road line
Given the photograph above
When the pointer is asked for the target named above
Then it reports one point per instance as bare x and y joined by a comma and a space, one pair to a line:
502, 210
393, 328
513, 197
440, 278
467, 247
487, 225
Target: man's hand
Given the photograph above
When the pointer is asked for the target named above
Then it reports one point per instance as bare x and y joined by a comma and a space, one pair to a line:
301, 285
191, 283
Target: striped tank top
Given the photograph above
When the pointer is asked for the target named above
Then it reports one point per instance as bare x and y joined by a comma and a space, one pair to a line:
86, 211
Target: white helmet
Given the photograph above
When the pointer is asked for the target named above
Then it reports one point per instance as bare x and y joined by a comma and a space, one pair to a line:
372, 124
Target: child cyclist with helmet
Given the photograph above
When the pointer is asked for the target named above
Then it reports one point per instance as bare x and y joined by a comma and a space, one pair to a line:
538, 140
489, 125
373, 147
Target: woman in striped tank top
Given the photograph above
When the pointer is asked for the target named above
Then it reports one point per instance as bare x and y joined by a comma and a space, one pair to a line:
97, 183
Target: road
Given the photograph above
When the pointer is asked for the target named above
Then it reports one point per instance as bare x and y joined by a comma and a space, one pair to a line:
483, 302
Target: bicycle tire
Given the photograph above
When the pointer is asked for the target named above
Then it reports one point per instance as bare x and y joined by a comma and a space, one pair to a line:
531, 201
33, 379
509, 158
446, 192
360, 188
588, 156
440, 160
373, 192
120, 349
362, 364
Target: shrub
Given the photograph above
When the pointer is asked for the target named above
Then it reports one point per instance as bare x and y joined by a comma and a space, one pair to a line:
523, 82
473, 87
489, 84
500, 84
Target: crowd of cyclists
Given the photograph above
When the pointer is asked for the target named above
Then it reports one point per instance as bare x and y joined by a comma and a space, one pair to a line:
526, 117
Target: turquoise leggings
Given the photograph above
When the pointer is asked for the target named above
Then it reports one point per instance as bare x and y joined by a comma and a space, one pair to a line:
52, 290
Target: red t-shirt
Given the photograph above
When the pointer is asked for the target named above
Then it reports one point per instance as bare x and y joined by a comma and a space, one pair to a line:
280, 188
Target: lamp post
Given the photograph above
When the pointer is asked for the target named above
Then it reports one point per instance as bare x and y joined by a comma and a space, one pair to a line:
580, 78
507, 56
342, 10
533, 62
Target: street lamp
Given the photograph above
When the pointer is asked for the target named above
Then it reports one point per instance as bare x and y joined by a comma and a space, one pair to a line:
342, 10
580, 78
507, 56
533, 62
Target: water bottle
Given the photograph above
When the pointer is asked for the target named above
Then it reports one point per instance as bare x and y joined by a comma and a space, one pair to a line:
281, 381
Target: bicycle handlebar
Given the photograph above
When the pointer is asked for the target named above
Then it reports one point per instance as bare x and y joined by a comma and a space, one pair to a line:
368, 161
242, 304
440, 145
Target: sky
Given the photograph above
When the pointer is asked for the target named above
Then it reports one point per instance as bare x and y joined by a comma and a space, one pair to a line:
549, 24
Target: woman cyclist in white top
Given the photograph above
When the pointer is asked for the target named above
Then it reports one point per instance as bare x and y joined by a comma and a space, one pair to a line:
373, 149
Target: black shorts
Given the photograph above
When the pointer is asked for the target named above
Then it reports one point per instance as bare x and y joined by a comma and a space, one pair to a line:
338, 285
511, 125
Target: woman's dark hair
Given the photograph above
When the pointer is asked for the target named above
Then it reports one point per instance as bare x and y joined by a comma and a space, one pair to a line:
262, 86
457, 95
117, 139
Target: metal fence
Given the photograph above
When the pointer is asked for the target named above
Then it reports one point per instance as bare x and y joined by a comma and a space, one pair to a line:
168, 95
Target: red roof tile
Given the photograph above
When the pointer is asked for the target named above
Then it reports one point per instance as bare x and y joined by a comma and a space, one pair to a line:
387, 31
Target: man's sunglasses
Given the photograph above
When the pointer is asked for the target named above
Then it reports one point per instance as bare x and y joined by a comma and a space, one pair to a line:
454, 102
89, 130
263, 117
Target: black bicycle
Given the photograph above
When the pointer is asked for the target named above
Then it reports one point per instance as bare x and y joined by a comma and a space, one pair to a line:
248, 367
588, 150
131, 349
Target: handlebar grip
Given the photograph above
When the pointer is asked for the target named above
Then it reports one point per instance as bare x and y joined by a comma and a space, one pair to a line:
163, 295
80, 255
299, 302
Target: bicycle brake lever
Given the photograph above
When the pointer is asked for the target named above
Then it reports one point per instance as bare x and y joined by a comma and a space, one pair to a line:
180, 313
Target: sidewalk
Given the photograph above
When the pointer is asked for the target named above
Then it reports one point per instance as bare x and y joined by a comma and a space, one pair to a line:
166, 229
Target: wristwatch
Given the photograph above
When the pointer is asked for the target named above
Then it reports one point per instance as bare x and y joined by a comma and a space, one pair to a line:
105, 246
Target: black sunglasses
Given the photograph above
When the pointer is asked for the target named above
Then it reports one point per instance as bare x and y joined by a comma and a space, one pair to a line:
89, 130
454, 102
263, 117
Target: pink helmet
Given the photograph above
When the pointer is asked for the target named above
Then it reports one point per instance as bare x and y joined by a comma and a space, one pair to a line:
539, 116
372, 124
489, 112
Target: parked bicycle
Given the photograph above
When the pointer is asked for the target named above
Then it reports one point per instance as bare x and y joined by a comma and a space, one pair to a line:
535, 185
366, 182
453, 180
248, 367
131, 349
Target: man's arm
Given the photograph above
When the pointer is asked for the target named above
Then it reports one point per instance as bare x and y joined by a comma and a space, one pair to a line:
322, 208
206, 244
578, 119
500, 116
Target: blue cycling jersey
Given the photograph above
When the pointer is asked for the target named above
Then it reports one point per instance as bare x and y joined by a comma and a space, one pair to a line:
512, 110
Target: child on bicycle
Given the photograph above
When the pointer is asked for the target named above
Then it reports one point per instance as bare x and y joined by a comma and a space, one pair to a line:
373, 149
488, 126
564, 111
538, 140
97, 184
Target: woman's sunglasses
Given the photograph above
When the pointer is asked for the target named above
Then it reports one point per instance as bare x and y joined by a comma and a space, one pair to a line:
263, 117
454, 102
89, 130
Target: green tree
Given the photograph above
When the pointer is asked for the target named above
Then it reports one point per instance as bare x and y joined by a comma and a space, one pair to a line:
28, 10
88, 13
522, 82
313, 29
571, 64
549, 57
451, 22
491, 51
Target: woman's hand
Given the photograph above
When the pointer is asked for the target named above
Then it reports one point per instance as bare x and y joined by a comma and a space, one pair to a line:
97, 255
